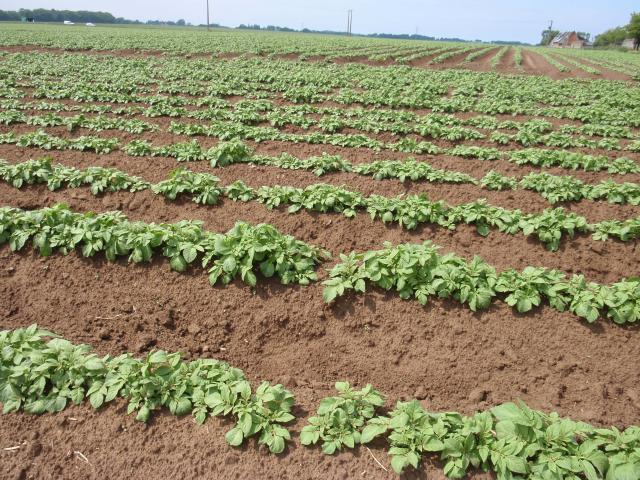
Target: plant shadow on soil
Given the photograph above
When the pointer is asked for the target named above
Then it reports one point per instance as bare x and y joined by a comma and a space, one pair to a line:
343, 308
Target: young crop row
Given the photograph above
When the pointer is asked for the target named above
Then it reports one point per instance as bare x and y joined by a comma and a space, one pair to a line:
553, 188
194, 41
241, 252
433, 130
446, 55
430, 51
555, 63
549, 226
517, 58
511, 440
475, 54
224, 132
40, 376
90, 79
580, 66
436, 126
44, 373
557, 189
97, 124
331, 119
417, 271
497, 58
613, 60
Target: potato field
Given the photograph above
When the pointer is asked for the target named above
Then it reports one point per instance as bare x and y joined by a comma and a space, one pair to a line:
237, 254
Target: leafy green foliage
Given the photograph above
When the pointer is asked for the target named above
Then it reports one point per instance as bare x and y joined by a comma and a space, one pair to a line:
550, 225
242, 251
575, 161
40, 376
554, 188
410, 169
416, 271
99, 179
226, 153
202, 187
496, 181
339, 420
419, 271
511, 440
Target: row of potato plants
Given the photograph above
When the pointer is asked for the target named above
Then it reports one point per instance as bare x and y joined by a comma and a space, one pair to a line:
510, 440
39, 375
327, 119
86, 78
549, 226
244, 251
565, 188
42, 372
189, 151
419, 271
553, 188
427, 127
434, 126
413, 270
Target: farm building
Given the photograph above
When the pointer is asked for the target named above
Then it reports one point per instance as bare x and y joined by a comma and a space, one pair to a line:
569, 40
630, 43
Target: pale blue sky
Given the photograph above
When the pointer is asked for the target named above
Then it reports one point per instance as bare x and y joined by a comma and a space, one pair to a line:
470, 19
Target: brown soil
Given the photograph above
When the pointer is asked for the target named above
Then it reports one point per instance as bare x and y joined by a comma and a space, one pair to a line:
507, 65
606, 73
256, 176
482, 63
454, 61
443, 354
534, 63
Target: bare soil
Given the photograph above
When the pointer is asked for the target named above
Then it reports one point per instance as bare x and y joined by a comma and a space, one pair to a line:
443, 354
534, 63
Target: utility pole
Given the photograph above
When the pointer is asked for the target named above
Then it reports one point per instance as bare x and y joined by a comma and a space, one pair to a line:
208, 28
348, 20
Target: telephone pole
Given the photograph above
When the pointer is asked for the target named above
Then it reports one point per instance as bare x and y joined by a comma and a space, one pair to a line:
349, 20
208, 28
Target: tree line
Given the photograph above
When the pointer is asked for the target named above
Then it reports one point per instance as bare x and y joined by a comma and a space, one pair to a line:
77, 16
615, 36
47, 15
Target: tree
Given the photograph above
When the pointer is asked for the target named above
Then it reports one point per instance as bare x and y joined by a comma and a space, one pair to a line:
634, 28
613, 36
548, 35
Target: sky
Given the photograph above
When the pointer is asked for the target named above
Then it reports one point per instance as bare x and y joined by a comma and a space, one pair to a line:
520, 20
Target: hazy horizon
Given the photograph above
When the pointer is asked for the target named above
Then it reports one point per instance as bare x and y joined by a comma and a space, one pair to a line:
495, 20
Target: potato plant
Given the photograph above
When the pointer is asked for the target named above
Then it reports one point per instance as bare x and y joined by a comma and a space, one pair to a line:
511, 440
418, 271
40, 375
243, 251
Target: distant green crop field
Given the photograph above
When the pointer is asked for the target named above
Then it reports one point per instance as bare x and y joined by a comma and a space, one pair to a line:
216, 41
